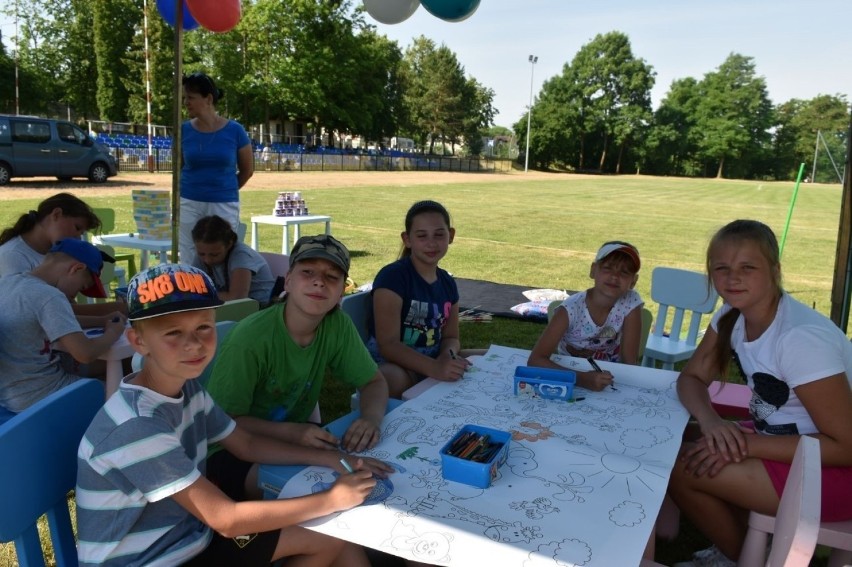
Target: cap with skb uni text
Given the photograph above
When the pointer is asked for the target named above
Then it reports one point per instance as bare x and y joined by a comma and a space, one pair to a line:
322, 246
625, 247
169, 288
91, 256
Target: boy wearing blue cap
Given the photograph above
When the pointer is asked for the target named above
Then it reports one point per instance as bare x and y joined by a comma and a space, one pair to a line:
35, 312
142, 494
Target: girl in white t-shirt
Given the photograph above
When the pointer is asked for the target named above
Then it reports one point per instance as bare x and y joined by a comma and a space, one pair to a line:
798, 365
604, 322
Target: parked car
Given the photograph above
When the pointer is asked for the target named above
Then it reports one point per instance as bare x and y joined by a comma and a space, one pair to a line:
32, 146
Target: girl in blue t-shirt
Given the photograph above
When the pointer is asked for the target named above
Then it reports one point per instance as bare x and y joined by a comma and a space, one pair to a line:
415, 327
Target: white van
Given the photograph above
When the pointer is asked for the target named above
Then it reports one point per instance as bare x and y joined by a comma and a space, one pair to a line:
35, 147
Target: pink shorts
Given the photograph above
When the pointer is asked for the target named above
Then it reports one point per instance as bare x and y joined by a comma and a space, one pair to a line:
836, 486
836, 489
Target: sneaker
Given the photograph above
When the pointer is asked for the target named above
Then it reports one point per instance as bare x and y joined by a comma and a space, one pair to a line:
710, 557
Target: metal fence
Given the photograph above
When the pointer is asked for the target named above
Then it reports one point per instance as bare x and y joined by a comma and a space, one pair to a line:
136, 159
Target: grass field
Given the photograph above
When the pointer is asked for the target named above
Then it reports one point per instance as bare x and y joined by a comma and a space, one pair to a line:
544, 233
541, 232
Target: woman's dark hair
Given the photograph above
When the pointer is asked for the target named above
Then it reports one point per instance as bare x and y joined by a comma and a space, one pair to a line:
70, 206
419, 208
737, 232
214, 229
202, 84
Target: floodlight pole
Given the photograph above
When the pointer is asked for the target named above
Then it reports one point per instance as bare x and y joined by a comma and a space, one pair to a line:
17, 50
533, 60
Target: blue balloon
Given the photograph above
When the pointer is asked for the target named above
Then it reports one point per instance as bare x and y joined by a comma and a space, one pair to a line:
168, 12
451, 10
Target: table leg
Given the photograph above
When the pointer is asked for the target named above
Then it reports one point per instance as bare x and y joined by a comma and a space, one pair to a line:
297, 232
143, 263
164, 257
254, 241
328, 227
285, 240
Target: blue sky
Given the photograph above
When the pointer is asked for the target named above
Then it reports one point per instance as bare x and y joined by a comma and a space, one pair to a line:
802, 48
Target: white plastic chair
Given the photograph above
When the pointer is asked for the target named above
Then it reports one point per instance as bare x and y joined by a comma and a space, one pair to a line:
688, 294
796, 524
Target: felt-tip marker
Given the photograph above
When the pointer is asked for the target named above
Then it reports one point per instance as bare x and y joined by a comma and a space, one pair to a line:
598, 369
347, 466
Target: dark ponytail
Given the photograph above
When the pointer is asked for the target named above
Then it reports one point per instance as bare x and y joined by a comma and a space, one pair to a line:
70, 206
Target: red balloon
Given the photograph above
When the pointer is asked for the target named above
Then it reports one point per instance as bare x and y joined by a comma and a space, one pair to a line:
216, 15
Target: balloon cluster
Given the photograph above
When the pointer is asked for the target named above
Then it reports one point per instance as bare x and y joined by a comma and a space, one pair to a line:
396, 11
215, 15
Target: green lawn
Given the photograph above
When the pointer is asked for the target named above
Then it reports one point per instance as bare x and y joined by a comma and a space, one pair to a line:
545, 234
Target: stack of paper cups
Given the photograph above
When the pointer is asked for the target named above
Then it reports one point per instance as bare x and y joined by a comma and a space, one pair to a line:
152, 213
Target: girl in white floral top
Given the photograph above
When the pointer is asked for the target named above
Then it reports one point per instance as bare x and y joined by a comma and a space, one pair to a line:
604, 322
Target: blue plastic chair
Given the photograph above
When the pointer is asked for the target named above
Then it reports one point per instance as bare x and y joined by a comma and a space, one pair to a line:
40, 468
359, 307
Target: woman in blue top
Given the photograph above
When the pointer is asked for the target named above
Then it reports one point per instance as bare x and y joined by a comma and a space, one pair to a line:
217, 161
415, 331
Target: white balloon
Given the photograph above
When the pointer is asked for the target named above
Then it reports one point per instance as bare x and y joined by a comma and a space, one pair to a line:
391, 11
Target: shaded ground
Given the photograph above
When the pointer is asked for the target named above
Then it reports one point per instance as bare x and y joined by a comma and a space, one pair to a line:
41, 187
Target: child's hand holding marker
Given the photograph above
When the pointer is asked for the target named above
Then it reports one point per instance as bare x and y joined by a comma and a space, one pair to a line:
598, 379
353, 488
450, 369
373, 466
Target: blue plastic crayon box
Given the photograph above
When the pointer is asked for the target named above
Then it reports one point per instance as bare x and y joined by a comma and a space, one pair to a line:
545, 383
489, 449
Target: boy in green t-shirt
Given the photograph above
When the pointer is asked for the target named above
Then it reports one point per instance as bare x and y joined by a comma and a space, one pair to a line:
270, 369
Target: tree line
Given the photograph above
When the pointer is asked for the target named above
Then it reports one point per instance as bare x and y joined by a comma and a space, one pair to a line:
312, 61
596, 116
319, 62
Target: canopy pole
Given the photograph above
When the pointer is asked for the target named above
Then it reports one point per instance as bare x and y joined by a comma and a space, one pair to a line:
176, 130
841, 287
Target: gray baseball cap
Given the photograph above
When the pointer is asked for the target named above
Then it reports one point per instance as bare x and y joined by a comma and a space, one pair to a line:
324, 247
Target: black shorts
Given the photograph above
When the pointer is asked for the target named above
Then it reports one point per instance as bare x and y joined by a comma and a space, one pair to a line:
254, 549
229, 474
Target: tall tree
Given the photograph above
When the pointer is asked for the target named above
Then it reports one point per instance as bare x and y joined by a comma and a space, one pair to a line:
671, 147
796, 135
615, 92
733, 116
555, 125
115, 23
161, 71
435, 86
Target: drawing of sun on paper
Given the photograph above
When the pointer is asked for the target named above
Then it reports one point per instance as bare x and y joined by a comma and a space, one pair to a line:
619, 470
564, 553
428, 547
